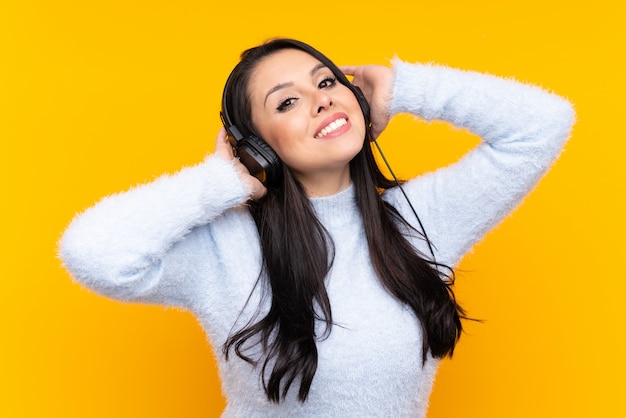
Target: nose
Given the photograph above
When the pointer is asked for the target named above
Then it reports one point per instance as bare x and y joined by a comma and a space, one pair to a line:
322, 102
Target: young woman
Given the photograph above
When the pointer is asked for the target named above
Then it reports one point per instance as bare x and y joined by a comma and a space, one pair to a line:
321, 290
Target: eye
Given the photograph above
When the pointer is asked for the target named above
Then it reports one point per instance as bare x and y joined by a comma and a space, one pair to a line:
286, 104
327, 82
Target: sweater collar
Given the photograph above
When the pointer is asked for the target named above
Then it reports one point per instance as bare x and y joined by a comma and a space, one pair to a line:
337, 209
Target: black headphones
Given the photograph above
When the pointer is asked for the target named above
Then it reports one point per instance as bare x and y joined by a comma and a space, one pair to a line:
254, 153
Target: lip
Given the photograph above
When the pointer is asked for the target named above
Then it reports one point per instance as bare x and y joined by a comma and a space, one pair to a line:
330, 120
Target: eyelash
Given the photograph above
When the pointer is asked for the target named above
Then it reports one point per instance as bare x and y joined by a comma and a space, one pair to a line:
326, 83
285, 104
331, 81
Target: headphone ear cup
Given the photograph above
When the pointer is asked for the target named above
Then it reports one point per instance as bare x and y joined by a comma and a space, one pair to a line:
260, 160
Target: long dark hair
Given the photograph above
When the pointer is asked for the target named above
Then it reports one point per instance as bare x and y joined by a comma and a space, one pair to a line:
295, 268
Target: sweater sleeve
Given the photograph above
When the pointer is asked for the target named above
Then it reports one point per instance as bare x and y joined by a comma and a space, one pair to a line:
523, 129
118, 246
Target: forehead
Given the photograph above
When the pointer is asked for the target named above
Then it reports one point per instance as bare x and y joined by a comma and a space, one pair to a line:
284, 66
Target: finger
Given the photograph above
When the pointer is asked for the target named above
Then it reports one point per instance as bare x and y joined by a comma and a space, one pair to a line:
222, 146
379, 124
348, 69
375, 131
258, 190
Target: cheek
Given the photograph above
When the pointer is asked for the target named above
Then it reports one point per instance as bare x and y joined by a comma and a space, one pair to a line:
359, 125
282, 135
273, 135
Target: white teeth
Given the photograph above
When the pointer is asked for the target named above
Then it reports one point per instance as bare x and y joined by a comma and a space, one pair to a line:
333, 126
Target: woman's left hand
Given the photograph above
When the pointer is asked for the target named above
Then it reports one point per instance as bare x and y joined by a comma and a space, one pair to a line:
376, 82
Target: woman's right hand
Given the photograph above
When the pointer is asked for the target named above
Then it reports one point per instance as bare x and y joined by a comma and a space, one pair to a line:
224, 150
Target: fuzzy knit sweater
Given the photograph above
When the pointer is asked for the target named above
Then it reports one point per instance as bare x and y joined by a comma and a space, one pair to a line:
188, 240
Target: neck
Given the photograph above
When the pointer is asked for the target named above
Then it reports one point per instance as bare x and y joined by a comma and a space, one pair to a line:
325, 183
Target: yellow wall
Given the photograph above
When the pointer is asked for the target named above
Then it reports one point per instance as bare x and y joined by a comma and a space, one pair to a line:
98, 95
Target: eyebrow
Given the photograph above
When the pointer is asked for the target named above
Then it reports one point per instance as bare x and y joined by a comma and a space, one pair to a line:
288, 84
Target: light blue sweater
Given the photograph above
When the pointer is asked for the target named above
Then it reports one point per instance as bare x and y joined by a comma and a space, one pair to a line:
188, 240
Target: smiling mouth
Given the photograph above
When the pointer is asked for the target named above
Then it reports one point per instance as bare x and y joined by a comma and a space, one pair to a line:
332, 127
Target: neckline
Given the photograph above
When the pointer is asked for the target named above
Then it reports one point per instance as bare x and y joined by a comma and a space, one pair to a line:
336, 209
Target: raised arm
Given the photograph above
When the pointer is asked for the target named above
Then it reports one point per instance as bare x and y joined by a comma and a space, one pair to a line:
118, 246
523, 130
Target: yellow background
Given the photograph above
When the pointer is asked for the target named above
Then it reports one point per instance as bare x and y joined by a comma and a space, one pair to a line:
99, 95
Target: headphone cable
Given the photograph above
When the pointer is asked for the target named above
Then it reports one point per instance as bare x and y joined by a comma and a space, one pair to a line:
419, 221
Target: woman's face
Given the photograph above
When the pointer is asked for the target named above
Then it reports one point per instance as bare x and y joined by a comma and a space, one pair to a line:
313, 122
